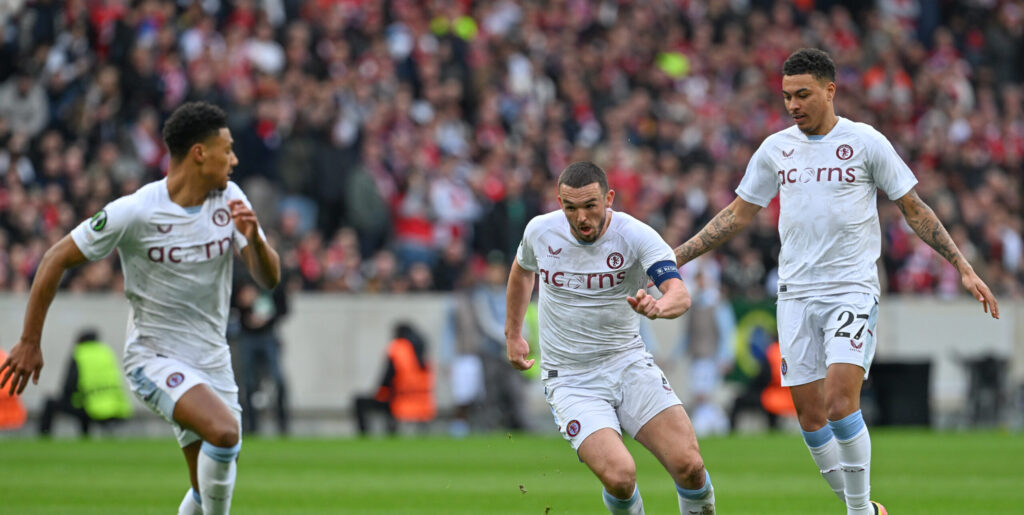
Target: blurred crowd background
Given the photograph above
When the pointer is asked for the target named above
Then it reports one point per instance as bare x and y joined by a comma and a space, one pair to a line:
401, 146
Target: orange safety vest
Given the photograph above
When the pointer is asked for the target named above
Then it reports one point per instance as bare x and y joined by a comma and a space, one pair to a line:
413, 388
12, 413
776, 398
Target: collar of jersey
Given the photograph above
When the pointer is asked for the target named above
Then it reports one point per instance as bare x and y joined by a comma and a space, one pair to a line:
821, 137
189, 211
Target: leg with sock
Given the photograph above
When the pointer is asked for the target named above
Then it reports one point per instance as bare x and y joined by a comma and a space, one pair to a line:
699, 501
217, 470
855, 459
191, 504
825, 452
606, 456
632, 506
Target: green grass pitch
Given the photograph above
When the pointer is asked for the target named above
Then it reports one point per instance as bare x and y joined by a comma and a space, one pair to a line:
913, 472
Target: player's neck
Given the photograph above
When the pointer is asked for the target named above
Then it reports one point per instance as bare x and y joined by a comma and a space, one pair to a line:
182, 191
826, 127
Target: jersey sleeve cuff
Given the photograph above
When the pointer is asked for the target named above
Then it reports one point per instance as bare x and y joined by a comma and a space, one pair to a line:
752, 199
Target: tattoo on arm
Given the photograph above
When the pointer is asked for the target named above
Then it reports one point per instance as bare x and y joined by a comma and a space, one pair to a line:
922, 219
719, 229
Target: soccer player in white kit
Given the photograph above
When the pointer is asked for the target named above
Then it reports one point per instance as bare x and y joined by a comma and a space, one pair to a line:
175, 238
598, 378
827, 170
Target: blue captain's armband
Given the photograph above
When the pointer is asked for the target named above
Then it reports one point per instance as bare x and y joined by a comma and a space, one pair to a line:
663, 271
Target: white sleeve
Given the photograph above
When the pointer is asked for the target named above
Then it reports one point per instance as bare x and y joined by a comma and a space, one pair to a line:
887, 168
760, 182
98, 236
235, 192
651, 248
525, 255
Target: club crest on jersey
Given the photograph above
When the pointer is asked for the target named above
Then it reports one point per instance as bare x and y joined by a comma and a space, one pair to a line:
615, 260
99, 220
844, 152
164, 228
175, 379
554, 252
784, 367
572, 428
221, 217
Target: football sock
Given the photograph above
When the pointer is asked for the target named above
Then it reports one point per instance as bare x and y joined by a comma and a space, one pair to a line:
855, 460
216, 470
701, 500
632, 506
191, 504
825, 451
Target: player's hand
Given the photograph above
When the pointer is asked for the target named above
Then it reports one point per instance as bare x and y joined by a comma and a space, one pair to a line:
245, 219
979, 290
518, 351
644, 304
24, 361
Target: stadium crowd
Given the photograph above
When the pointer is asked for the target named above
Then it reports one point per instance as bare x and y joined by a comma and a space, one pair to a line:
389, 146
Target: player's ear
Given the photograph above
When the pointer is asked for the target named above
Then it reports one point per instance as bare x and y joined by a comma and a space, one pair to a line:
198, 152
609, 197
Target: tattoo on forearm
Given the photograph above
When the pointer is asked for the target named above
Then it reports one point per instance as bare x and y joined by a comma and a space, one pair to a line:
719, 229
922, 219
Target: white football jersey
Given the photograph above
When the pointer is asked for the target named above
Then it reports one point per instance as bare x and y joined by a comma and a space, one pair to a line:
828, 224
177, 270
584, 316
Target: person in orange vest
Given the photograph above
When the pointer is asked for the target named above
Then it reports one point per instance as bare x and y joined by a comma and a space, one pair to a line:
406, 392
12, 412
775, 398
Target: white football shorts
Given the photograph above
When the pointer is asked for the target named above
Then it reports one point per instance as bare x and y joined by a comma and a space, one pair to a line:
159, 382
623, 394
815, 332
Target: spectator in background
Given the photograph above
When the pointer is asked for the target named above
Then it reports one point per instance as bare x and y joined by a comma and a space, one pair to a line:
463, 340
708, 343
406, 390
462, 118
259, 313
92, 391
23, 104
504, 393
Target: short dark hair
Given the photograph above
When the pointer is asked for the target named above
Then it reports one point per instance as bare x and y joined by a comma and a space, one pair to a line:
582, 173
811, 61
192, 123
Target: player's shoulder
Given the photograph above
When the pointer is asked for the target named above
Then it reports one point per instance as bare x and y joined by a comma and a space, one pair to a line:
148, 196
233, 191
624, 221
861, 131
631, 228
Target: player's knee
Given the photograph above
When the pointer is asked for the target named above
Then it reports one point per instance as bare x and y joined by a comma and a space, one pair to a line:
689, 474
840, 407
620, 481
226, 435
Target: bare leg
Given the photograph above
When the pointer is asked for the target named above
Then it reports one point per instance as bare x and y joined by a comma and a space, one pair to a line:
670, 437
213, 470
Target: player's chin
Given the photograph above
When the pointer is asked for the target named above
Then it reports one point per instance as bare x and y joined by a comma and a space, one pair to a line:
590, 235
